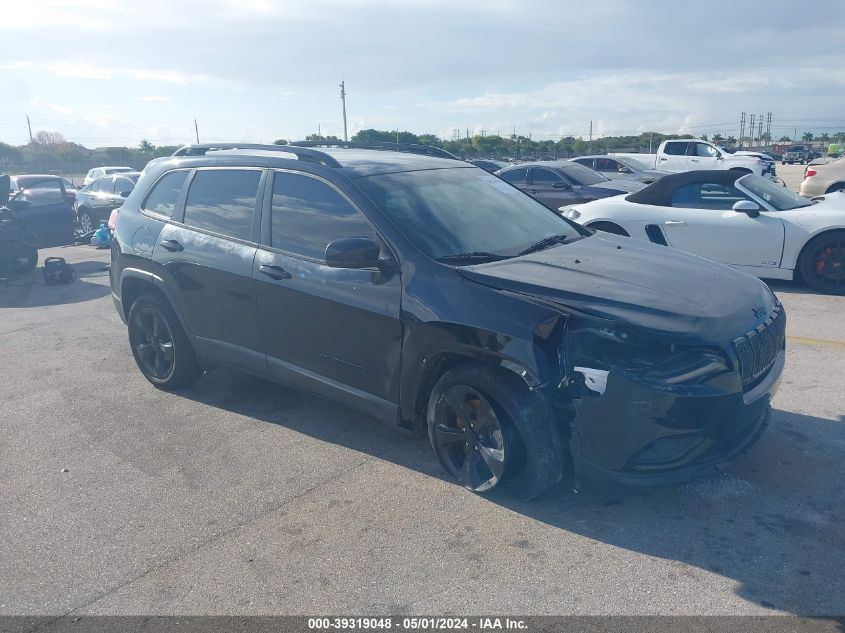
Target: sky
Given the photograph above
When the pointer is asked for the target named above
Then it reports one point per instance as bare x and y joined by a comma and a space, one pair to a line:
113, 72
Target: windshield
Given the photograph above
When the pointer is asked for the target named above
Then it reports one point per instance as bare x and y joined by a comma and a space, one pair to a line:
633, 163
581, 175
117, 170
447, 212
781, 198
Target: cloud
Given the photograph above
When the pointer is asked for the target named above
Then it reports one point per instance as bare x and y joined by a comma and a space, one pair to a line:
153, 98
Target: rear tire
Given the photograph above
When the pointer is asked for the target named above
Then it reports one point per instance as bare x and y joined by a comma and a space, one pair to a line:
160, 346
822, 263
519, 444
609, 227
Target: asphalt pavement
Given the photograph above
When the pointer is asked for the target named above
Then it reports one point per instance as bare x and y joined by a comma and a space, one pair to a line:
242, 496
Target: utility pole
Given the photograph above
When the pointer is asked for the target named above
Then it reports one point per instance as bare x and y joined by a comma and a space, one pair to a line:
769, 127
29, 126
650, 138
751, 131
741, 129
196, 129
591, 137
343, 99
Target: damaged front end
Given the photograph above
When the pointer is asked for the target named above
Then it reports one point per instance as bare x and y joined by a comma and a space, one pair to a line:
645, 410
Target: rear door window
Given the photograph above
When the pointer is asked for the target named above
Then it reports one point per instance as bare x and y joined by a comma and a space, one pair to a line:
677, 148
223, 201
165, 193
307, 214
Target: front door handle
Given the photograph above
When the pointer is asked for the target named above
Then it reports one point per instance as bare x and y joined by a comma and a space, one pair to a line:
675, 223
693, 160
274, 272
172, 245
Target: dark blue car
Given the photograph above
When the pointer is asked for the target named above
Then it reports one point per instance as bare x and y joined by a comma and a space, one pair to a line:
45, 204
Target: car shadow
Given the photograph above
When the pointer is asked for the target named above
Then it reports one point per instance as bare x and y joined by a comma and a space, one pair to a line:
779, 286
773, 524
28, 290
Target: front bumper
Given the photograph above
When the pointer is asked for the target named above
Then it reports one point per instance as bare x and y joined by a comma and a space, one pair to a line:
636, 434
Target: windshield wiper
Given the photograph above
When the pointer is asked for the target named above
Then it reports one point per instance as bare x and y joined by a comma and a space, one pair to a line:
546, 242
474, 257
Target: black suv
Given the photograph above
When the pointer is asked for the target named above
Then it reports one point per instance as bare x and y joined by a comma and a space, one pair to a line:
437, 296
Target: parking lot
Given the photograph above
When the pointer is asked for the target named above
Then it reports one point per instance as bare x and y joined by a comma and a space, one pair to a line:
242, 496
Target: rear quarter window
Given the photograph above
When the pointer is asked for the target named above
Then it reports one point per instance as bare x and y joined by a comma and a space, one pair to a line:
163, 196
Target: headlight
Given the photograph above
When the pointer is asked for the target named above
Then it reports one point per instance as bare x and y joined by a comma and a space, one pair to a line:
649, 361
569, 213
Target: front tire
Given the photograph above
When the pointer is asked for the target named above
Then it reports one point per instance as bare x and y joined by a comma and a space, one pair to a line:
86, 220
822, 263
488, 429
160, 346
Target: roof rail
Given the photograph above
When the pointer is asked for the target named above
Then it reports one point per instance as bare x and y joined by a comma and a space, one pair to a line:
410, 148
302, 153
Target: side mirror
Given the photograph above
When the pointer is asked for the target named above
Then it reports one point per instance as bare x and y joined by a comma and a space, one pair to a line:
125, 194
353, 252
559, 184
751, 209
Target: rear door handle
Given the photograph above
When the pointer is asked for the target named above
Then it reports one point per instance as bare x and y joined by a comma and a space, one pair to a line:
693, 160
675, 223
274, 272
172, 245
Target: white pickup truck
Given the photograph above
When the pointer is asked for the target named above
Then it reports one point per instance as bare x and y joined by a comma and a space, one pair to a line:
690, 154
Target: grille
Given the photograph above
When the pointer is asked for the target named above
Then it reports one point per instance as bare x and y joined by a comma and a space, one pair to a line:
758, 349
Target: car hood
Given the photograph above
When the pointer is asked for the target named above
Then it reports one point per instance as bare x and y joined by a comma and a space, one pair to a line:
675, 295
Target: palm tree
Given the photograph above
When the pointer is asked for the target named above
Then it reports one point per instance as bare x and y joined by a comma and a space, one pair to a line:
807, 137
784, 139
824, 138
146, 146
718, 138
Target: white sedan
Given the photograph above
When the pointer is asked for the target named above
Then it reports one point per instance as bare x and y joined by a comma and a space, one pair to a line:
745, 221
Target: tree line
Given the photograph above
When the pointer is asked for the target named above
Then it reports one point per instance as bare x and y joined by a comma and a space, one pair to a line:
51, 152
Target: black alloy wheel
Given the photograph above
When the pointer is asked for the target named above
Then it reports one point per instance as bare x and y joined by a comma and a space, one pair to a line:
489, 430
152, 343
160, 346
823, 263
470, 439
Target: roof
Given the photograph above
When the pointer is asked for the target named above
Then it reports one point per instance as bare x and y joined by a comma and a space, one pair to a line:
659, 193
354, 163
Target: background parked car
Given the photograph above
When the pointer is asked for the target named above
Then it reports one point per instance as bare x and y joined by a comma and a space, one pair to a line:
99, 172
742, 220
94, 202
45, 204
822, 179
616, 167
488, 165
796, 154
556, 183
